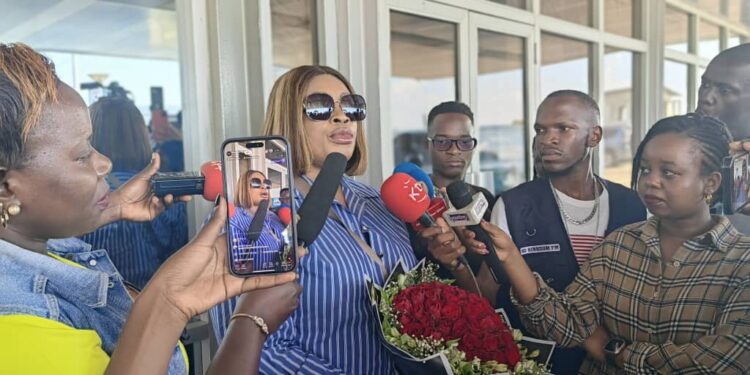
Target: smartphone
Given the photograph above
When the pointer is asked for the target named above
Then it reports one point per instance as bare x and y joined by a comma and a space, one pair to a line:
735, 174
261, 239
157, 98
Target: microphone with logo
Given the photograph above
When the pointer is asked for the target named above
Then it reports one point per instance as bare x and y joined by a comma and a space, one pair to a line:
468, 212
408, 200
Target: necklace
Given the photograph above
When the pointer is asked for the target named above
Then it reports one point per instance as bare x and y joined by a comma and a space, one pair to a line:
565, 213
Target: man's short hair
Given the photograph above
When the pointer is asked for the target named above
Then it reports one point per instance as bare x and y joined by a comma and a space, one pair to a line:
736, 54
588, 102
449, 107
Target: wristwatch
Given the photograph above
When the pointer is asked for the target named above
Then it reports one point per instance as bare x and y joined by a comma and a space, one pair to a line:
613, 348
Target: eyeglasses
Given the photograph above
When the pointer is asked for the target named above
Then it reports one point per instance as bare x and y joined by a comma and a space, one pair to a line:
257, 183
320, 106
445, 144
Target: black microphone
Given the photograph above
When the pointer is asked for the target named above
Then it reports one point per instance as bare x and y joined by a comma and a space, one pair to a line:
256, 225
460, 197
313, 211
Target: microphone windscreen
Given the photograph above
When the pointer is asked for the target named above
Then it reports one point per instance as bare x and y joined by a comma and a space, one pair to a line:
313, 211
405, 197
418, 174
285, 215
459, 194
213, 185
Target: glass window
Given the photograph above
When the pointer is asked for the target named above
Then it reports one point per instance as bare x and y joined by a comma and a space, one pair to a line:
617, 115
738, 11
423, 75
676, 30
500, 114
619, 17
565, 64
513, 3
578, 11
675, 88
293, 34
708, 43
733, 40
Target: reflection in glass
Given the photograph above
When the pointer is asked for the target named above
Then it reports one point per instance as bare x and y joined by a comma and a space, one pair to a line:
578, 11
500, 114
513, 3
293, 34
676, 30
708, 43
675, 88
619, 17
565, 64
617, 112
423, 74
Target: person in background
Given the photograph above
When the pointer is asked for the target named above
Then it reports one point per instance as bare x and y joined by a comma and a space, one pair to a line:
449, 136
559, 217
63, 306
667, 295
724, 93
168, 140
136, 248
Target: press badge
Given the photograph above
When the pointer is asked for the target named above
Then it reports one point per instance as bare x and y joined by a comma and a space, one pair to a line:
538, 249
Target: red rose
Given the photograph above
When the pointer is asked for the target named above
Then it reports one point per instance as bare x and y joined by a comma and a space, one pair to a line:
451, 311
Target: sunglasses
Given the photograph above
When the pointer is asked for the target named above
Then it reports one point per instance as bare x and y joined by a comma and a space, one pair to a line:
445, 144
320, 106
257, 183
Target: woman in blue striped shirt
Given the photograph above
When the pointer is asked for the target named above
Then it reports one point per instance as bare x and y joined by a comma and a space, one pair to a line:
262, 253
333, 331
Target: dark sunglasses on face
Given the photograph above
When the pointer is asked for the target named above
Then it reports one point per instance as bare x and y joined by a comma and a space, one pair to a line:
257, 182
320, 106
445, 144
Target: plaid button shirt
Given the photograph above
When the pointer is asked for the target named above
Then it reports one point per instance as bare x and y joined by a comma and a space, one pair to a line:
690, 315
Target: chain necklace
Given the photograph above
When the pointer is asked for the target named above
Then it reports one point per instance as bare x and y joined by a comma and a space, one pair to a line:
565, 214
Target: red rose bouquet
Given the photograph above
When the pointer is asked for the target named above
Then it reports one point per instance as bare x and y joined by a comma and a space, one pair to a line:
427, 320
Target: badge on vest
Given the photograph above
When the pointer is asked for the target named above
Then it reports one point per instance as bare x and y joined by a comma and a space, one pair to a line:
537, 249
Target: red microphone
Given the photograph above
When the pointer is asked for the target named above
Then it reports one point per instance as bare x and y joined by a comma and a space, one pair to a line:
285, 215
213, 185
405, 197
436, 210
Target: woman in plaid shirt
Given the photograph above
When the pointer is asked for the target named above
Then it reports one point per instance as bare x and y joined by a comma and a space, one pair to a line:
672, 292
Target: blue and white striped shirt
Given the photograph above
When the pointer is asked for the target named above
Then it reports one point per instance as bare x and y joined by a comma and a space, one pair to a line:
138, 249
263, 253
334, 331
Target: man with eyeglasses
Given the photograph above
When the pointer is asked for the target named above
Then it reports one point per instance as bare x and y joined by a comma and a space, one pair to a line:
449, 128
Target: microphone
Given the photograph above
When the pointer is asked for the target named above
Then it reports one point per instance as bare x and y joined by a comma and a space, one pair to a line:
460, 197
256, 224
418, 174
313, 211
406, 199
285, 215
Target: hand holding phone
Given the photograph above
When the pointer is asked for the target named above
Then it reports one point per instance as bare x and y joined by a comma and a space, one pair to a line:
255, 170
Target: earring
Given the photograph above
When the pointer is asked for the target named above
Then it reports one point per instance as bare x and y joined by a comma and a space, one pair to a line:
709, 198
13, 209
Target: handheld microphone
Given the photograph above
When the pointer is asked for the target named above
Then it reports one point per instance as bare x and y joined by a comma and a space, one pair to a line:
418, 174
460, 197
313, 211
256, 224
207, 183
285, 215
407, 199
